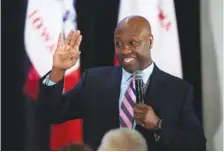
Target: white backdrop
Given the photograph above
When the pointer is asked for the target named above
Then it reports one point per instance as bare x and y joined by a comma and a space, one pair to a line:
212, 71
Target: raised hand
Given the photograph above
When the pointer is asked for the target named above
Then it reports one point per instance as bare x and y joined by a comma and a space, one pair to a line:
66, 54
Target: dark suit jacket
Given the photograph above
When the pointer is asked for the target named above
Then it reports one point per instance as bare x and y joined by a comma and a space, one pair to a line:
95, 99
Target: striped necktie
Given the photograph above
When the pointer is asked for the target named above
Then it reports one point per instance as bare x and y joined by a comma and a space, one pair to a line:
126, 110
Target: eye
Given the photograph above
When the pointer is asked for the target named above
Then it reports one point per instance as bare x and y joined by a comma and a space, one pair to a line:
132, 43
118, 44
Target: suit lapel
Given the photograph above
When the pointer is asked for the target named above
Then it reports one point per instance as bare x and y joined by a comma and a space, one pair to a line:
154, 87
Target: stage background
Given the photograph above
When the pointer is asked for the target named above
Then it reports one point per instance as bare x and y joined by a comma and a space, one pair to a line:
212, 71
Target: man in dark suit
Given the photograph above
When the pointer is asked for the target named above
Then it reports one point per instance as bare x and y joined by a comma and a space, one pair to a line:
105, 97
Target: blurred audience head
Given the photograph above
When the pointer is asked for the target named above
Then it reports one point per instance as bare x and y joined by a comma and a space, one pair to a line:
75, 147
123, 139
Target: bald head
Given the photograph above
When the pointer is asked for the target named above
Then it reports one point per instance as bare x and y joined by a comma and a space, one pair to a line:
138, 23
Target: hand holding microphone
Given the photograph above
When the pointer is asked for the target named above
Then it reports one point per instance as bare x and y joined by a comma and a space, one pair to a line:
143, 114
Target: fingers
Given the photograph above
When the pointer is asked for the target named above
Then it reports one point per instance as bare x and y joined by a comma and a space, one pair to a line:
139, 121
60, 41
69, 37
137, 110
142, 106
70, 46
139, 113
139, 118
74, 38
77, 42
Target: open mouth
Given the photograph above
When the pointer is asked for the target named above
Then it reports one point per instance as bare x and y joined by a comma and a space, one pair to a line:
128, 60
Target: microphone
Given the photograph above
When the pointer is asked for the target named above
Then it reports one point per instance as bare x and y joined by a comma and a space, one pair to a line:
139, 86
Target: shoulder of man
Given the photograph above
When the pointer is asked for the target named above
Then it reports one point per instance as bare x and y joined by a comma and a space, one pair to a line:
176, 81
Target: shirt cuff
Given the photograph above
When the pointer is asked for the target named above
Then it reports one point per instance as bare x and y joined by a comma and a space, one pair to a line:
48, 82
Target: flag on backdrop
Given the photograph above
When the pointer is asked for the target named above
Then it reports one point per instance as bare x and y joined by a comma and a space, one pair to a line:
45, 19
161, 15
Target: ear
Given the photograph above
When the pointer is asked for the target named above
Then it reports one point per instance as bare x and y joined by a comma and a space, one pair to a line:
151, 40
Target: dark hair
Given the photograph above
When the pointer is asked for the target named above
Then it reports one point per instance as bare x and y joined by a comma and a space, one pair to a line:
75, 147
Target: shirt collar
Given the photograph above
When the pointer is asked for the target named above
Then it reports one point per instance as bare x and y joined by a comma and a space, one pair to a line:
146, 74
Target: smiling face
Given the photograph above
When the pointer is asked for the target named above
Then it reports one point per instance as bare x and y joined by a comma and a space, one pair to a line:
133, 41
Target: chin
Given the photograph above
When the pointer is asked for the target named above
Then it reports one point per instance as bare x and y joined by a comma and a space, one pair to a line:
129, 69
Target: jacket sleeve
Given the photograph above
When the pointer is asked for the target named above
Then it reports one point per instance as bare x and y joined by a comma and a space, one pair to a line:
188, 134
57, 107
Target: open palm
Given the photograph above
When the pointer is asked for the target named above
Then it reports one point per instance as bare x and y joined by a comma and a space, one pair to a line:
67, 52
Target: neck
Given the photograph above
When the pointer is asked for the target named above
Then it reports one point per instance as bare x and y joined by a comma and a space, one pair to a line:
146, 65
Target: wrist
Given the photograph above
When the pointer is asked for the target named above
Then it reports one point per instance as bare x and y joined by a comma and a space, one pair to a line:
56, 74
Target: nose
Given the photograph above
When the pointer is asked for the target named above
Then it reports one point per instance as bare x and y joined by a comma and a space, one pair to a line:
125, 49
